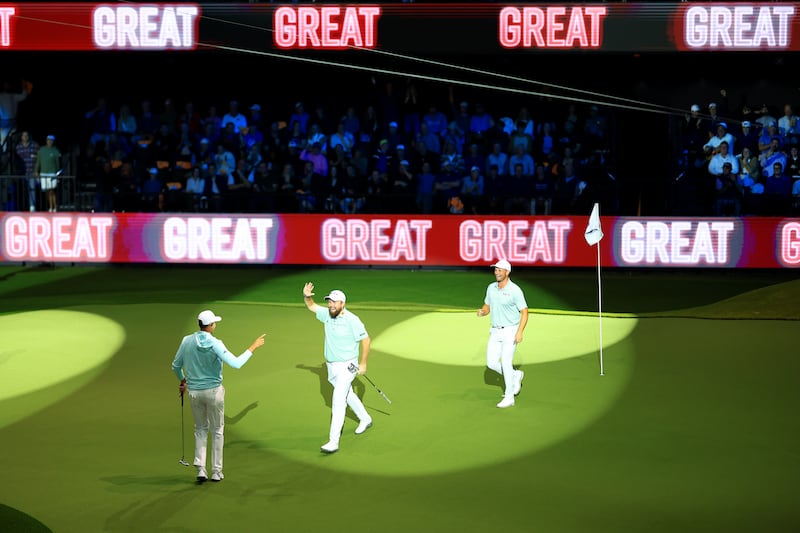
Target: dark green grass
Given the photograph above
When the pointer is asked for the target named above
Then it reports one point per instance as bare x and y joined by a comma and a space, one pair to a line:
700, 432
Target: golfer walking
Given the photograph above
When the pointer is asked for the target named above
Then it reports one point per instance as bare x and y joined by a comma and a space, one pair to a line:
198, 364
506, 303
344, 332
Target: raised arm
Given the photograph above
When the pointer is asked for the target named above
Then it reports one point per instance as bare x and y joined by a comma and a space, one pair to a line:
308, 297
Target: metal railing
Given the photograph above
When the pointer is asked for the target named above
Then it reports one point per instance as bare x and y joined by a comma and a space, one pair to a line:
21, 193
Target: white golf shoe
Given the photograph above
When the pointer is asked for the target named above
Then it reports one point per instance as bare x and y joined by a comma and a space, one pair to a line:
363, 426
518, 376
217, 476
202, 475
329, 447
507, 401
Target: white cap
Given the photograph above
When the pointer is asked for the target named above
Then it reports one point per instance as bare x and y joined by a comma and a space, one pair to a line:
336, 296
505, 265
208, 317
695, 107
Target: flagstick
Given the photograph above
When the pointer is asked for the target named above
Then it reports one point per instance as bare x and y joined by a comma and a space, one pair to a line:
600, 308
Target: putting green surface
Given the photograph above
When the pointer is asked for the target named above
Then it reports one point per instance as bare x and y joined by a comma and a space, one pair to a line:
693, 427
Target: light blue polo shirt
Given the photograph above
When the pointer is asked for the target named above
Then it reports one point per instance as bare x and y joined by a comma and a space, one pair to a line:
505, 304
201, 356
342, 334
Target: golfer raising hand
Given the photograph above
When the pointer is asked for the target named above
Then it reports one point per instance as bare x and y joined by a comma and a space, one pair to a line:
344, 331
198, 364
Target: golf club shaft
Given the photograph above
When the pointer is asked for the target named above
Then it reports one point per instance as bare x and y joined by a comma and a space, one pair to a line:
377, 389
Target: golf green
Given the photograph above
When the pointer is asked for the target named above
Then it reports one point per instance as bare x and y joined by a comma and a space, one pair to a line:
692, 427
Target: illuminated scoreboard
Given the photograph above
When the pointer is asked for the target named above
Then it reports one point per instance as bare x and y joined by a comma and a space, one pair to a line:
430, 28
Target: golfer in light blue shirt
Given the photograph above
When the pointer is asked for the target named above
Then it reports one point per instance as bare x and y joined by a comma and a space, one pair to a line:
506, 303
344, 333
198, 364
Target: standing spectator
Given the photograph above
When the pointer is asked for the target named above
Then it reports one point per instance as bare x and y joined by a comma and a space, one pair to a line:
47, 169
344, 333
27, 150
729, 193
100, 121
9, 103
506, 303
198, 366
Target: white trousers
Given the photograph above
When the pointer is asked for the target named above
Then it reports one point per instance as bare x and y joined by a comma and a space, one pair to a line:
500, 355
343, 396
208, 411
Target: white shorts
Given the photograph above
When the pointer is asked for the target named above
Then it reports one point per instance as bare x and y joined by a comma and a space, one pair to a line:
48, 182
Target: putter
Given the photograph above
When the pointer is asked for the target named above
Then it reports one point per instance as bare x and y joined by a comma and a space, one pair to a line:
183, 439
353, 368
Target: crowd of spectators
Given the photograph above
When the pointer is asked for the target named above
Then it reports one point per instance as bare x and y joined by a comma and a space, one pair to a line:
398, 153
740, 162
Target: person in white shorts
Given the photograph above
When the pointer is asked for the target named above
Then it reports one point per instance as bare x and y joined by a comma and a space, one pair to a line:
344, 332
506, 303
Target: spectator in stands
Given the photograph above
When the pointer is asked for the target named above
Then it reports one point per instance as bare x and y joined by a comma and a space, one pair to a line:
100, 121
778, 191
722, 156
301, 117
47, 168
479, 124
9, 104
195, 186
436, 121
518, 191
452, 156
749, 165
211, 125
257, 118
595, 130
342, 138
475, 158
521, 157
768, 135
746, 137
542, 191
729, 193
569, 197
27, 149
519, 137
785, 125
233, 116
425, 189
498, 158
765, 117
316, 136
545, 142
446, 186
494, 192
310, 188
369, 129
316, 157
377, 186
126, 124
712, 146
773, 154
793, 162
152, 191
353, 192
411, 108
472, 190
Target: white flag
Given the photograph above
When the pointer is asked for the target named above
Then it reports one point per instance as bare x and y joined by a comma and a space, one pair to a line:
593, 231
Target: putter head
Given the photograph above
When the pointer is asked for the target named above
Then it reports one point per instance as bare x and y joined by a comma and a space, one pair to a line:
183, 462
